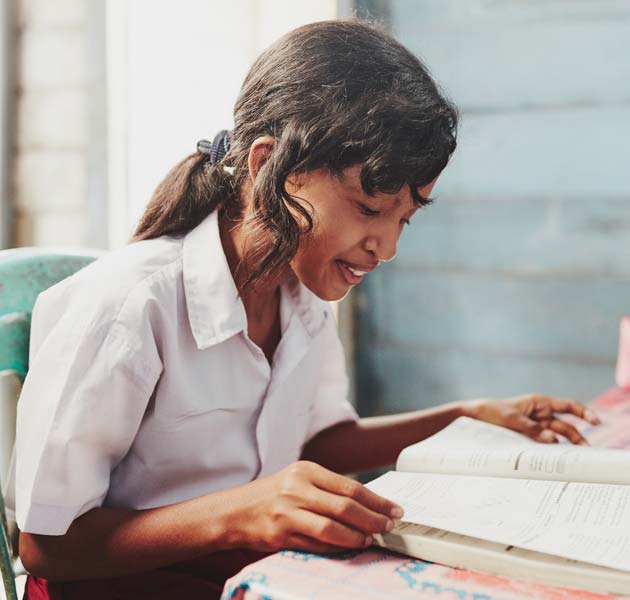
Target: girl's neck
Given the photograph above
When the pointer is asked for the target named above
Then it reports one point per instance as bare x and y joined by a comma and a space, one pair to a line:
262, 305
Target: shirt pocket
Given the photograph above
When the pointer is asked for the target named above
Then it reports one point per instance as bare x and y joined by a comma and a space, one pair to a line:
176, 405
216, 380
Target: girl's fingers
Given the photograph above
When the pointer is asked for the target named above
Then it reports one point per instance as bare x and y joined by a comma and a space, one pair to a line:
568, 431
328, 531
574, 408
343, 486
308, 544
350, 512
534, 430
545, 430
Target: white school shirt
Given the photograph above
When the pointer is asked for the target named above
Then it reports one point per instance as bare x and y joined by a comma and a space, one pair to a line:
144, 389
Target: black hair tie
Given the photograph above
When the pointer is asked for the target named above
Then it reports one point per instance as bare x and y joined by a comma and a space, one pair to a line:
218, 148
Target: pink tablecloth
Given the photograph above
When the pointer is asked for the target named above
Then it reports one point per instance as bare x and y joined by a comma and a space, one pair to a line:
378, 574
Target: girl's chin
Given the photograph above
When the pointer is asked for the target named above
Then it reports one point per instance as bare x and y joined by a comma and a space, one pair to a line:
327, 292
334, 297
330, 284
333, 293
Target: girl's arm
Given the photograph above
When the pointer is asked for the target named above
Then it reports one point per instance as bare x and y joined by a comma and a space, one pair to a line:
303, 506
374, 442
110, 542
377, 441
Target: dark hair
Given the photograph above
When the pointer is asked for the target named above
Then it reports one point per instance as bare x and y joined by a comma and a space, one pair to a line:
333, 94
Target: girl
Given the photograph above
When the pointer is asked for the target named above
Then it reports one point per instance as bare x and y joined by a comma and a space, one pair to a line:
185, 408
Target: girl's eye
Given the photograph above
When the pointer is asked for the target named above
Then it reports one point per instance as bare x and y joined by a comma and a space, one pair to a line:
368, 211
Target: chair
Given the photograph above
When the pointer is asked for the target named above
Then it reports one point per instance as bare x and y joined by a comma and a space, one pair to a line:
24, 273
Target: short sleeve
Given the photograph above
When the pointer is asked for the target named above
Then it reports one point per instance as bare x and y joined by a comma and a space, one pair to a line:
331, 405
93, 370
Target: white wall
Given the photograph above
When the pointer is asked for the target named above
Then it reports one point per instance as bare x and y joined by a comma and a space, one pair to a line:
184, 64
49, 154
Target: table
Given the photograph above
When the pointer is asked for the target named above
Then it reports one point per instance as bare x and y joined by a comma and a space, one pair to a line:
379, 574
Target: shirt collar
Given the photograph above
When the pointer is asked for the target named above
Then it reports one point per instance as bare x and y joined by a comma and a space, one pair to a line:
215, 311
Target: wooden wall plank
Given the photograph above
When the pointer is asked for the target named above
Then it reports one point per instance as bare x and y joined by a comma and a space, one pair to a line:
496, 55
560, 237
572, 152
573, 319
400, 379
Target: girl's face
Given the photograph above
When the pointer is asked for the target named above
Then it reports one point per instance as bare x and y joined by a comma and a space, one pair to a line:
352, 231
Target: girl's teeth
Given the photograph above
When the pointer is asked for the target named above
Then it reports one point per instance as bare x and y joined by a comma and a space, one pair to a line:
356, 272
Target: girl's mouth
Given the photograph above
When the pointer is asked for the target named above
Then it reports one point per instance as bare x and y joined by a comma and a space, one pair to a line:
350, 274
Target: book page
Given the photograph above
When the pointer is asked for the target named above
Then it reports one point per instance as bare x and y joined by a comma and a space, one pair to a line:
472, 447
582, 521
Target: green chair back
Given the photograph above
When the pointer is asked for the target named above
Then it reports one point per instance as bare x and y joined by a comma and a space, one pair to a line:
24, 273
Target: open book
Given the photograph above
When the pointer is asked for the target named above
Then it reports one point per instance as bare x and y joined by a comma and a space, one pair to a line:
481, 497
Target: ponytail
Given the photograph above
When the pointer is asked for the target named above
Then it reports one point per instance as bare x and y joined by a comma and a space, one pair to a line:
191, 190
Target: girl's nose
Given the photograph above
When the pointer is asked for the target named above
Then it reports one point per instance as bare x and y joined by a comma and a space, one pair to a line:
383, 247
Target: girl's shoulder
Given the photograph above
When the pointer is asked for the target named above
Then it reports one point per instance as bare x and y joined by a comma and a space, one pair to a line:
120, 285
136, 265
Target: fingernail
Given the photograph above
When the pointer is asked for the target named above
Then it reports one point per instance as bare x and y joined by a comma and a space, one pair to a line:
592, 417
389, 525
547, 436
396, 512
368, 540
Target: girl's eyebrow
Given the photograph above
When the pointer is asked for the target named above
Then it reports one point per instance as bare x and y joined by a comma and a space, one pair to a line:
418, 200
350, 185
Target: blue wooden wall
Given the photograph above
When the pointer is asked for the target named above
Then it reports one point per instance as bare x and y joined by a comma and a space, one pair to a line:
516, 278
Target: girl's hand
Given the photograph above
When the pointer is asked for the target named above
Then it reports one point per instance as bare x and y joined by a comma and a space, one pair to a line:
307, 507
533, 415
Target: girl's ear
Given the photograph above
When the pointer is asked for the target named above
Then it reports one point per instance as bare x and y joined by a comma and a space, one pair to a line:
259, 151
